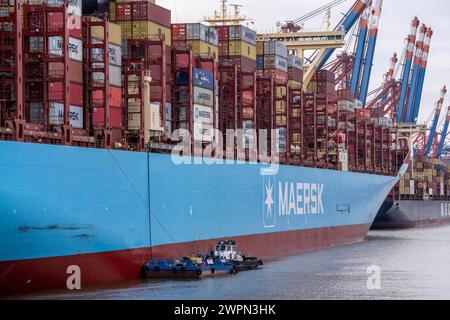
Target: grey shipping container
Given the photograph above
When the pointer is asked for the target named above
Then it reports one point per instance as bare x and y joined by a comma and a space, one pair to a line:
275, 62
198, 31
36, 112
242, 33
295, 62
276, 48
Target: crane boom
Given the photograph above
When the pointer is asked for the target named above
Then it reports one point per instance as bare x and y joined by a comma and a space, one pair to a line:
415, 78
346, 25
423, 69
360, 46
437, 115
443, 135
407, 68
373, 34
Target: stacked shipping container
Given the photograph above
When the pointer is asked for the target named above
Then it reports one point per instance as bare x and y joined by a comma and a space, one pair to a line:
141, 20
237, 45
260, 87
272, 59
428, 179
201, 39
45, 66
115, 75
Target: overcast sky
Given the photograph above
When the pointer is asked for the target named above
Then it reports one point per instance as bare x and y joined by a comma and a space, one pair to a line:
394, 26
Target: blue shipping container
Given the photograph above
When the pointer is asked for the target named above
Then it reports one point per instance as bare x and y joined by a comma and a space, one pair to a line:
203, 79
260, 62
182, 79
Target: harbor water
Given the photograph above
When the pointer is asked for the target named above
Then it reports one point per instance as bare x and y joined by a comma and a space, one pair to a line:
405, 264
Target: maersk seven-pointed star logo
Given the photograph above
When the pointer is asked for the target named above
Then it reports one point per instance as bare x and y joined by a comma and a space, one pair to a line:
269, 199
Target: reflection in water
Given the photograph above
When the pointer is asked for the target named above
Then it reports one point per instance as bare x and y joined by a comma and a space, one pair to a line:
414, 264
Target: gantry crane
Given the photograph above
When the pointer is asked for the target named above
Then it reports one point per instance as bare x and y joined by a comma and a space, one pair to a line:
437, 114
440, 149
325, 42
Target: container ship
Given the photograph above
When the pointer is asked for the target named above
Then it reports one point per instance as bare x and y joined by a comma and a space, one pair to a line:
422, 197
113, 127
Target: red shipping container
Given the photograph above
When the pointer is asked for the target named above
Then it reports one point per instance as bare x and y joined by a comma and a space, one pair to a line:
247, 113
115, 117
115, 96
280, 77
207, 66
182, 60
224, 48
247, 97
76, 71
147, 11
178, 32
295, 74
363, 113
123, 11
224, 33
76, 94
243, 63
55, 91
56, 24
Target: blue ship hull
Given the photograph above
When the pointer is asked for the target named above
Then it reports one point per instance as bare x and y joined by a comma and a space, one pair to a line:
63, 206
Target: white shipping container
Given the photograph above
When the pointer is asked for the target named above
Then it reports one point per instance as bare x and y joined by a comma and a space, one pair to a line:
412, 187
183, 115
203, 97
168, 129
168, 111
115, 75
75, 47
203, 132
56, 111
115, 54
203, 114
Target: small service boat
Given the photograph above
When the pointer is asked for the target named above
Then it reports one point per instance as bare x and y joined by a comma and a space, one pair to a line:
227, 251
224, 259
187, 268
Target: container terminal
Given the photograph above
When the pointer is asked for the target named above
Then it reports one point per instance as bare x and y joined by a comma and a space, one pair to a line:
125, 136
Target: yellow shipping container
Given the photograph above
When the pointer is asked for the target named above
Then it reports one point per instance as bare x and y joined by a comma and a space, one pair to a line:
260, 47
203, 48
115, 33
139, 30
281, 91
280, 107
148, 30
242, 48
127, 29
294, 84
281, 121
128, 1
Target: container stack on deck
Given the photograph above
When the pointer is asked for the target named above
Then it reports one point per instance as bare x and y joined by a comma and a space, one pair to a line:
164, 77
427, 179
146, 42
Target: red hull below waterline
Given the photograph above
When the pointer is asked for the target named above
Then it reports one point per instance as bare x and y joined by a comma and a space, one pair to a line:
106, 268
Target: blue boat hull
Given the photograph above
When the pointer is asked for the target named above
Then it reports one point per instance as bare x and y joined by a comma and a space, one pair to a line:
65, 206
